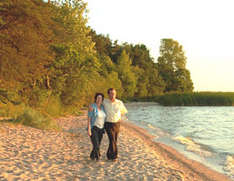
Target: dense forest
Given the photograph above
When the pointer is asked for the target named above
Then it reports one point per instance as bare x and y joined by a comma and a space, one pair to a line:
52, 62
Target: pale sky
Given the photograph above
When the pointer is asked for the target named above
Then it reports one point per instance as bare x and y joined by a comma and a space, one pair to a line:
203, 27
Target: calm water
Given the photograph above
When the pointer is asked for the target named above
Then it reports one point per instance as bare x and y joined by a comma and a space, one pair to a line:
205, 134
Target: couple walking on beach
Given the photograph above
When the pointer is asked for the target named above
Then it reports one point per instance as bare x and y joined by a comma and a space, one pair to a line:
105, 115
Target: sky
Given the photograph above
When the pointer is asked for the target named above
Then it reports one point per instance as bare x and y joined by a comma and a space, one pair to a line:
204, 28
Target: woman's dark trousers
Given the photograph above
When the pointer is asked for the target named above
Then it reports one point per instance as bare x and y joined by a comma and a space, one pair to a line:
112, 130
96, 139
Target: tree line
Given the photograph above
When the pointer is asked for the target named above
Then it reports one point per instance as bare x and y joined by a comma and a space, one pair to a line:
50, 60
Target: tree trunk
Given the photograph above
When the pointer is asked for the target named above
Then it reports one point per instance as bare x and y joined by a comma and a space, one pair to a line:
48, 82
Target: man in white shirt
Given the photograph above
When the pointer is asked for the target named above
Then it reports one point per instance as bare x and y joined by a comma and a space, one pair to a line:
114, 109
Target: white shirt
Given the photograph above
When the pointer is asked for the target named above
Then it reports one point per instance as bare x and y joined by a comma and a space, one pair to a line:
114, 110
99, 122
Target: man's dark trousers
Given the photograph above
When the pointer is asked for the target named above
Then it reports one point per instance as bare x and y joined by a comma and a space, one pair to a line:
112, 130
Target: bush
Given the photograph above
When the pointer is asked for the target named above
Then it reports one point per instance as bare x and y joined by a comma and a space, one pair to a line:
11, 110
33, 118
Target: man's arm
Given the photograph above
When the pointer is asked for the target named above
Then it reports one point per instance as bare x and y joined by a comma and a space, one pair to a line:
123, 111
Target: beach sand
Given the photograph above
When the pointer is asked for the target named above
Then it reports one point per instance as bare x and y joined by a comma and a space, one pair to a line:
32, 154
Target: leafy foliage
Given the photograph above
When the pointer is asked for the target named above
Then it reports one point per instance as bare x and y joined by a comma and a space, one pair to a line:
172, 67
52, 62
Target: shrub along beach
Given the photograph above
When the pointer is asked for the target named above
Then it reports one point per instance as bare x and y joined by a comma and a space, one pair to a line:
197, 99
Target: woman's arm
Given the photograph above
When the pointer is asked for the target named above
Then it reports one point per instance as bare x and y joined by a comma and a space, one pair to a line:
89, 120
89, 127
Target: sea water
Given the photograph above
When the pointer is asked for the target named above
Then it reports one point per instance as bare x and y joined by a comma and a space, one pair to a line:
204, 134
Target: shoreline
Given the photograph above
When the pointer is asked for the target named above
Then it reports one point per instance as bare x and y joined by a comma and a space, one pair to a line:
32, 154
177, 159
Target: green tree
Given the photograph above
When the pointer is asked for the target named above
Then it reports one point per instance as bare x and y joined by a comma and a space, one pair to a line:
103, 44
126, 74
156, 84
172, 67
75, 66
142, 82
149, 82
71, 16
25, 36
107, 66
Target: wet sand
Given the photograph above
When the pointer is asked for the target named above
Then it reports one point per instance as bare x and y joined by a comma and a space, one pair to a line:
32, 154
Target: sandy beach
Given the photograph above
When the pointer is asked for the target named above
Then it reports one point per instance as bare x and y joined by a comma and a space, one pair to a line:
32, 154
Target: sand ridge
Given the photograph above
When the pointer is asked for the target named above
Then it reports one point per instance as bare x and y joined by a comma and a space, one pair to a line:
32, 154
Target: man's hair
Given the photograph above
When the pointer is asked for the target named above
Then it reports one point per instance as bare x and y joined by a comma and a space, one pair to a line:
98, 94
110, 89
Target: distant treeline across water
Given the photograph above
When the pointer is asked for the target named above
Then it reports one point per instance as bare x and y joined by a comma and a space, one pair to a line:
193, 99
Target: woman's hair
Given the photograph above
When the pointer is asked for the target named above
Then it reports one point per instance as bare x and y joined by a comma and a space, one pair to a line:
98, 94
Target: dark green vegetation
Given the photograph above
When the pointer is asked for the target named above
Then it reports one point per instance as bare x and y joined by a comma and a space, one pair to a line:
197, 99
52, 63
